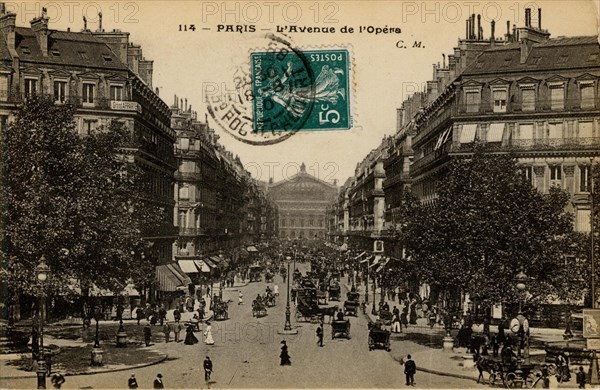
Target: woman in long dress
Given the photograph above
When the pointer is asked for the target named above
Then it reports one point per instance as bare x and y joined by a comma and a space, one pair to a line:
190, 338
208, 335
284, 356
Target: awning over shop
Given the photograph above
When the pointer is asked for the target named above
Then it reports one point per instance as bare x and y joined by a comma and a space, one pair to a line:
382, 265
188, 266
171, 278
252, 248
209, 262
202, 265
361, 255
376, 261
468, 132
495, 132
129, 290
366, 259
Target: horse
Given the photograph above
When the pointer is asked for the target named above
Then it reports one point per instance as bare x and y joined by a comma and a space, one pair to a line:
328, 311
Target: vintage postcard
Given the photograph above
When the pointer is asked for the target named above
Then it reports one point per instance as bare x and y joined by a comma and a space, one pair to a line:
300, 194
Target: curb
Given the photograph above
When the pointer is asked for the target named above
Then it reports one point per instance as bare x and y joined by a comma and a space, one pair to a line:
101, 371
441, 373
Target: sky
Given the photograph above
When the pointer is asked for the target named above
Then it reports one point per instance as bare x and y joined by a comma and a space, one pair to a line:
201, 64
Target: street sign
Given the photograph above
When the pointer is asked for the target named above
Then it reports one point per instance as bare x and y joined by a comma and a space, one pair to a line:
378, 246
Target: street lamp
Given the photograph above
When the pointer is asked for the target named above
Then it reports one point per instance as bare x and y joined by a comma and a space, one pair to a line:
287, 328
374, 310
221, 277
520, 324
43, 272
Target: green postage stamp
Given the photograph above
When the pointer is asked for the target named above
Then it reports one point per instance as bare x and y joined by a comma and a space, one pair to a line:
301, 90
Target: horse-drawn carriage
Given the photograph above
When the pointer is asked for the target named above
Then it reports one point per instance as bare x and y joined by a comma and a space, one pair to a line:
221, 311
514, 375
268, 277
259, 309
269, 299
378, 338
386, 316
297, 275
255, 273
352, 304
308, 312
334, 290
321, 297
340, 329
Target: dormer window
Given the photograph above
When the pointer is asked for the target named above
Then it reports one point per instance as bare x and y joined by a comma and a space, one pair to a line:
25, 50
83, 55
116, 93
500, 96
107, 58
55, 53
587, 94
557, 96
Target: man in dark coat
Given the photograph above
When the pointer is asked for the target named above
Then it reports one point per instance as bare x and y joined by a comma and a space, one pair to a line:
208, 367
132, 382
410, 368
319, 336
158, 383
147, 335
284, 356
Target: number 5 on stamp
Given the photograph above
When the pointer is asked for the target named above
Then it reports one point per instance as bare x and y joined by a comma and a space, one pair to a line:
301, 90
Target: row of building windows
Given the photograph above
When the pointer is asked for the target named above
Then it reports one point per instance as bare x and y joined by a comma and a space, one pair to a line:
301, 234
60, 91
301, 223
499, 97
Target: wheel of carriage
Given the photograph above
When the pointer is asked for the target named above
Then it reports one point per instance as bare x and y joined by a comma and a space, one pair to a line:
492, 379
511, 380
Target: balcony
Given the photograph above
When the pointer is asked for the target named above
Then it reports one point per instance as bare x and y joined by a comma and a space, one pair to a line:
187, 153
554, 144
188, 176
190, 231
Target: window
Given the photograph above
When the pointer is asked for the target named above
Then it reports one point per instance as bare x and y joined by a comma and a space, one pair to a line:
55, 53
88, 93
499, 97
184, 143
586, 130
107, 57
184, 192
182, 219
555, 175
527, 173
557, 97
30, 87
83, 55
585, 177
60, 91
583, 221
88, 126
554, 130
525, 132
116, 92
472, 101
587, 95
3, 87
528, 99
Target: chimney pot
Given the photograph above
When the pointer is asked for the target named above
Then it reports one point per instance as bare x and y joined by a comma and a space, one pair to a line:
472, 26
540, 18
493, 28
40, 27
479, 37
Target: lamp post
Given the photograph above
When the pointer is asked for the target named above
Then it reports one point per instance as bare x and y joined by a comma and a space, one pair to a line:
374, 310
221, 277
121, 335
42, 272
287, 328
521, 325
367, 285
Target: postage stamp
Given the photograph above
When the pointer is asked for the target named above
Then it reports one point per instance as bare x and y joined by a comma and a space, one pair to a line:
301, 90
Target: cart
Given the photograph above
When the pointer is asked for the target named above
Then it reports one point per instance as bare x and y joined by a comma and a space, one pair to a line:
379, 339
340, 329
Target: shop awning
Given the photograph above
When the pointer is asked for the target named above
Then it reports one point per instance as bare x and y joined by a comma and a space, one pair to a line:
376, 261
188, 266
361, 255
467, 135
209, 262
202, 265
367, 259
382, 265
129, 290
495, 132
171, 278
252, 248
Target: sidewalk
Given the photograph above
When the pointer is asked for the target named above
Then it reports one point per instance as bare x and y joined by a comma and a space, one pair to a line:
424, 344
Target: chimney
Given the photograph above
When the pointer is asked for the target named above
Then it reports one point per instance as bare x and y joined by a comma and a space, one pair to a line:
473, 26
180, 103
493, 28
527, 17
444, 60
186, 108
508, 30
7, 24
175, 101
540, 18
514, 36
335, 182
40, 27
467, 28
99, 22
157, 91
117, 40
479, 37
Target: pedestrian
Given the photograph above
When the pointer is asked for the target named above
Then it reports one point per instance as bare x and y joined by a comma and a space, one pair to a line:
132, 382
167, 331
162, 315
158, 382
410, 368
284, 356
396, 325
147, 335
177, 328
176, 315
495, 346
139, 314
190, 337
319, 336
208, 334
57, 380
208, 368
240, 298
404, 317
581, 378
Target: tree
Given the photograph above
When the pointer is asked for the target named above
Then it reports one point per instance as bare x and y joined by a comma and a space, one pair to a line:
77, 200
487, 225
